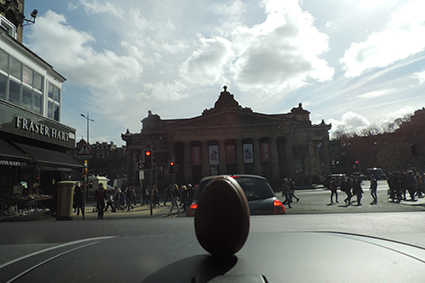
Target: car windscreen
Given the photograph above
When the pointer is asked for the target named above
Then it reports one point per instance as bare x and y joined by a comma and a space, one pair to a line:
254, 188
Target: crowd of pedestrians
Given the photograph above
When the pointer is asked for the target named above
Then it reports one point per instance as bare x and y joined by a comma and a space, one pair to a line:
400, 184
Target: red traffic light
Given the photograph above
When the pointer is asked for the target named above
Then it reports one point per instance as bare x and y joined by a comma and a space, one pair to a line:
357, 162
147, 152
171, 163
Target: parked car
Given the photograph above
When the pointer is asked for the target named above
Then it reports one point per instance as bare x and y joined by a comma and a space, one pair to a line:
359, 176
338, 179
259, 194
378, 173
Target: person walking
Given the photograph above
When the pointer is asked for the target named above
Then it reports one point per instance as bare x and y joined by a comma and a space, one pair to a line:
286, 192
346, 188
78, 198
292, 189
175, 194
168, 194
128, 198
373, 189
109, 200
333, 189
100, 197
357, 191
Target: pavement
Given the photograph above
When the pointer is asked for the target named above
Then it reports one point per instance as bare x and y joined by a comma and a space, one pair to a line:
90, 214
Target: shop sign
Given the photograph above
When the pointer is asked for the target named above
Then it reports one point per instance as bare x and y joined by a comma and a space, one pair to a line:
37, 128
11, 163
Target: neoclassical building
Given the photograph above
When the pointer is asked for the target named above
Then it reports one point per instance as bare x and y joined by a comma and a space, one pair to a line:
230, 139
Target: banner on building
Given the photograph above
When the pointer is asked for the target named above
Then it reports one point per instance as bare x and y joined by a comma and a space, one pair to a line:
230, 153
196, 155
213, 153
248, 156
265, 152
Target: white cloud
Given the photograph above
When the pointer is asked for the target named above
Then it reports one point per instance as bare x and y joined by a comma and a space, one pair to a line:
350, 121
206, 64
280, 54
403, 38
420, 76
399, 113
69, 50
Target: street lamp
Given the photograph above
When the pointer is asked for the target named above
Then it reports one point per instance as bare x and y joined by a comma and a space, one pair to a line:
85, 162
88, 129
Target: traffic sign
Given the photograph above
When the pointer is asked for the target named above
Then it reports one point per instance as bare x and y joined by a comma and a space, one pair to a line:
84, 151
140, 166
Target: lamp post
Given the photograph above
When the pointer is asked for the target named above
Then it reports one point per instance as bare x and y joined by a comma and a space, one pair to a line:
85, 162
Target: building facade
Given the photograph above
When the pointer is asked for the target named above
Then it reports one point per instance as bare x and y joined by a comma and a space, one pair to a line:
231, 139
33, 141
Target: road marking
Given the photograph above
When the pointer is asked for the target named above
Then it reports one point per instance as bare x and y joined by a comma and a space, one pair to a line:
55, 247
49, 259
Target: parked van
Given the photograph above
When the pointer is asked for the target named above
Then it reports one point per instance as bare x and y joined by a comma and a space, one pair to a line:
378, 173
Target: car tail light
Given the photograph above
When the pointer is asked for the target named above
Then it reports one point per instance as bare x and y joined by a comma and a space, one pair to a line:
191, 210
278, 207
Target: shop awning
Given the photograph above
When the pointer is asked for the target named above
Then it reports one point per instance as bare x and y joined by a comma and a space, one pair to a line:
11, 156
50, 158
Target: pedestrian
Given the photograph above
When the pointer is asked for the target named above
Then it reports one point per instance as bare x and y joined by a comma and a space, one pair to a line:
168, 194
373, 189
128, 198
78, 198
155, 197
346, 188
110, 200
292, 189
410, 183
333, 189
357, 191
184, 198
175, 193
191, 193
286, 192
100, 197
117, 198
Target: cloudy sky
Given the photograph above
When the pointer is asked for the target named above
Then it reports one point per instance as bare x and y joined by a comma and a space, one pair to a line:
350, 62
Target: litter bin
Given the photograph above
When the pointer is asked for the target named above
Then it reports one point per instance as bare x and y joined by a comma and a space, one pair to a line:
65, 199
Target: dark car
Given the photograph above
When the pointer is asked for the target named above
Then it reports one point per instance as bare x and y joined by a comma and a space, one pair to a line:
259, 194
339, 178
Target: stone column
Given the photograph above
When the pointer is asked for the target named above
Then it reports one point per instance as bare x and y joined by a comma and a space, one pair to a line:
326, 160
312, 158
205, 159
240, 165
187, 163
222, 157
257, 157
275, 158
289, 164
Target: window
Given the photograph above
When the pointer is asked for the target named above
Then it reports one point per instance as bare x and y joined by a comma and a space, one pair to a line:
38, 82
3, 87
14, 92
27, 98
54, 92
8, 26
50, 110
56, 112
16, 68
27, 75
4, 62
38, 102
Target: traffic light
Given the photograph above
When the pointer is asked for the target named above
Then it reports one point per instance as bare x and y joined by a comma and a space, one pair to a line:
148, 159
171, 166
85, 172
357, 164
